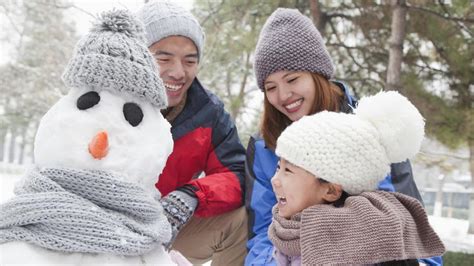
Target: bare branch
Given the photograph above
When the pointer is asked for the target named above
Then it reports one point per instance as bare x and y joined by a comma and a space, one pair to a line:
440, 154
240, 96
11, 20
84, 11
341, 42
422, 58
461, 26
67, 6
339, 15
421, 9
214, 11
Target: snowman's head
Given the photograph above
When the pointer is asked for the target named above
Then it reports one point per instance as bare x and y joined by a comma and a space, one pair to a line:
108, 131
111, 119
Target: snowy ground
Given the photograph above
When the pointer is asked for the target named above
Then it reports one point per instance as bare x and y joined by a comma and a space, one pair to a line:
9, 175
453, 232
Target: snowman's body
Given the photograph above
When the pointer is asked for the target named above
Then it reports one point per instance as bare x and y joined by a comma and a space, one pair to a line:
24, 253
65, 140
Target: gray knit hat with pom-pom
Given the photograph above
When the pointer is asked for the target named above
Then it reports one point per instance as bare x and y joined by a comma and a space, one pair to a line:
113, 56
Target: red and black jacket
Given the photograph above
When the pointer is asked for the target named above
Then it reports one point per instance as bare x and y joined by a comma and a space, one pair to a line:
205, 140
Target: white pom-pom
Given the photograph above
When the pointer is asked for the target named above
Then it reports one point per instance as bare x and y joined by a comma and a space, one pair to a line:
399, 123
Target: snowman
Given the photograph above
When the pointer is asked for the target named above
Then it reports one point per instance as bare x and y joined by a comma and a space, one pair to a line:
90, 197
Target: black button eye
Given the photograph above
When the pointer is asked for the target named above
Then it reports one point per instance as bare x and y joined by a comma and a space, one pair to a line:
132, 113
87, 100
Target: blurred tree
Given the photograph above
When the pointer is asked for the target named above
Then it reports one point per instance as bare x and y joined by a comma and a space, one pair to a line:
397, 37
232, 29
437, 70
42, 40
431, 63
440, 73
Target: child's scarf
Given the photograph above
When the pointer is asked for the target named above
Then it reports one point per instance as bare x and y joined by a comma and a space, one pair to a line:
370, 228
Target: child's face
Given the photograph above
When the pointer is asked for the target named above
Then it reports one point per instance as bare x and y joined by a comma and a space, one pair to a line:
296, 189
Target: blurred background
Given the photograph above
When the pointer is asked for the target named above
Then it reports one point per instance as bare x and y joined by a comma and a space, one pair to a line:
423, 49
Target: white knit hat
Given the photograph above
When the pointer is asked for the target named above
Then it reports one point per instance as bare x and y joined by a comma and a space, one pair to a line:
164, 18
355, 150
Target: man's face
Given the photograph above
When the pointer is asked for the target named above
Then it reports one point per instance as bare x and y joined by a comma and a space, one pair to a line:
177, 57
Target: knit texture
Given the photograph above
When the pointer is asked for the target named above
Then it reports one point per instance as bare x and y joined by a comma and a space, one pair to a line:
355, 150
165, 18
370, 228
73, 210
113, 56
290, 41
179, 208
338, 147
285, 233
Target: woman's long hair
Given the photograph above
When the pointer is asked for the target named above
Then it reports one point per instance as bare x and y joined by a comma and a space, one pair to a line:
328, 97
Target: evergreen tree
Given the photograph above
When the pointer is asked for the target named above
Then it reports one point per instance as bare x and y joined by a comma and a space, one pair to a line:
232, 29
440, 74
436, 70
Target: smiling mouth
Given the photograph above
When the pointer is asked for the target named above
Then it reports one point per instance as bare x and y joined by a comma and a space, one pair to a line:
281, 200
173, 88
294, 105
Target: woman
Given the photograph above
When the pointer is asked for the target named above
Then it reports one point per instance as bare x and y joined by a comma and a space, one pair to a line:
293, 69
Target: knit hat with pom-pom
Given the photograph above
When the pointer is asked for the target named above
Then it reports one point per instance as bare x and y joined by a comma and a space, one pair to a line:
113, 56
355, 150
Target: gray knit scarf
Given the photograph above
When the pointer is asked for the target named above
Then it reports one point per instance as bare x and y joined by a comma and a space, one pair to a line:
370, 228
74, 210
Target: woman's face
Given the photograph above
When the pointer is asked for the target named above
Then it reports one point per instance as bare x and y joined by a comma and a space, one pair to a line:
296, 189
292, 93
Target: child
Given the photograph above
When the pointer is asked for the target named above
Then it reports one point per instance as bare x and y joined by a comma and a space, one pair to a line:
330, 164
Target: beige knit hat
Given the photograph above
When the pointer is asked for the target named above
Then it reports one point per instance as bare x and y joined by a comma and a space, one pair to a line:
355, 150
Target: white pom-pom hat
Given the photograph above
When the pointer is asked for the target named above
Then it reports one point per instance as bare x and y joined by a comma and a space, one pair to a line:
355, 150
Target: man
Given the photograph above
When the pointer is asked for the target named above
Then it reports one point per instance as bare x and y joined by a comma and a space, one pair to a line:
206, 212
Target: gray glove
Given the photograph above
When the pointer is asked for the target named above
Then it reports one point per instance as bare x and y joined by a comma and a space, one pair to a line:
179, 208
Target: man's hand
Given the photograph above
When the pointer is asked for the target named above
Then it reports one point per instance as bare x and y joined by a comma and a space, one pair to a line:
179, 208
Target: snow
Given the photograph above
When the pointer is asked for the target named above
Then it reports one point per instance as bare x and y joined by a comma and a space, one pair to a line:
8, 178
11, 251
453, 232
65, 132
34, 255
137, 154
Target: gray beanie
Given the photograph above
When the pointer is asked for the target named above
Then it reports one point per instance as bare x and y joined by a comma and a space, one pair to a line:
290, 41
163, 19
113, 56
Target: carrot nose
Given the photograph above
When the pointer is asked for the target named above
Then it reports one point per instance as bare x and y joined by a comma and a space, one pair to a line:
99, 145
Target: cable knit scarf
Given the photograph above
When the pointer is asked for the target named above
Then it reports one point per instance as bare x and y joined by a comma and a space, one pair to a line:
370, 228
83, 211
285, 234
